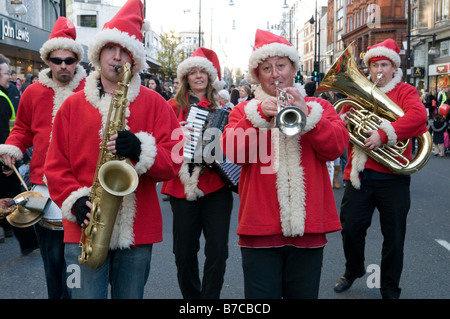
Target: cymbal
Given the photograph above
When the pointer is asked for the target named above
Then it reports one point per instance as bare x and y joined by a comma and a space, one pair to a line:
23, 217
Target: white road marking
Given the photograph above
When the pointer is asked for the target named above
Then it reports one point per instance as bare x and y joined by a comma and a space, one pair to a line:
443, 243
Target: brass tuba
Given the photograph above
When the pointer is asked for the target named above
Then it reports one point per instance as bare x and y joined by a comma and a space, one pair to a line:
114, 178
370, 108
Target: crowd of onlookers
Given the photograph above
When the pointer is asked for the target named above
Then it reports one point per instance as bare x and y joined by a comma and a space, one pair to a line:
437, 105
228, 97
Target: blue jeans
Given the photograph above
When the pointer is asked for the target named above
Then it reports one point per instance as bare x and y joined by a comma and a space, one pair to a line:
51, 245
127, 271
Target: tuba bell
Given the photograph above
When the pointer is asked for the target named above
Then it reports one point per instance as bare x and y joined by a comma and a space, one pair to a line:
370, 108
290, 120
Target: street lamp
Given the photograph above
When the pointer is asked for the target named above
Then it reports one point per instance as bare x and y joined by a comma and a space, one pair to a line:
199, 23
17, 8
231, 3
285, 6
432, 50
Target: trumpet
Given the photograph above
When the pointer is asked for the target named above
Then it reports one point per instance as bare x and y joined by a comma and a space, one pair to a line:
290, 119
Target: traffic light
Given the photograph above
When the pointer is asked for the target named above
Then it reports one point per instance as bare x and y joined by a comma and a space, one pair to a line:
315, 73
299, 78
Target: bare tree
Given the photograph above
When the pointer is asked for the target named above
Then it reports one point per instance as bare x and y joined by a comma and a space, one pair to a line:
170, 55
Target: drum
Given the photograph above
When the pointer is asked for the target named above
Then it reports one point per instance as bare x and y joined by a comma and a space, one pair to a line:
52, 218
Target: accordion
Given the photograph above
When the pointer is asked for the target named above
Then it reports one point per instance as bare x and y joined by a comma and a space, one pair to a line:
204, 146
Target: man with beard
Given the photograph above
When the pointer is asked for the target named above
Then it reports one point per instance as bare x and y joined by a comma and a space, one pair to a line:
33, 126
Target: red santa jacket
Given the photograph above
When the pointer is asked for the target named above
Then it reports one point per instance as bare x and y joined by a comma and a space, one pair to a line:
412, 123
74, 149
37, 108
284, 186
202, 180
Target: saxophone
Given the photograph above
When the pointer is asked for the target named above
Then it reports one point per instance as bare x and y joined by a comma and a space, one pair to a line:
114, 178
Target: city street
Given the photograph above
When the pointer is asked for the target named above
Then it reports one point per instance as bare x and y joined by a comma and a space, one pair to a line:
427, 252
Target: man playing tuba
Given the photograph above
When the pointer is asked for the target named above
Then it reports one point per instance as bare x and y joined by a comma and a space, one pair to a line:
374, 185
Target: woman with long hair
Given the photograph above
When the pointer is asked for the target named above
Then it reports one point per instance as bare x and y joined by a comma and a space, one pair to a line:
200, 200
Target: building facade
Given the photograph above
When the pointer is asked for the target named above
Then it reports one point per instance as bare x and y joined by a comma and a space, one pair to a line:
23, 36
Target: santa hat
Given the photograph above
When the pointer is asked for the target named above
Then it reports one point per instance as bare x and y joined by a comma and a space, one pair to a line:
268, 45
126, 30
205, 59
386, 50
62, 37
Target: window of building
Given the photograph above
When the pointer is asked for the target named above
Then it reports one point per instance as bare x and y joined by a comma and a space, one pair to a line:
442, 10
87, 20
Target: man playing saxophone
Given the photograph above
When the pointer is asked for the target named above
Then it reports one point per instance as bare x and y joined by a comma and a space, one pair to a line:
146, 142
374, 185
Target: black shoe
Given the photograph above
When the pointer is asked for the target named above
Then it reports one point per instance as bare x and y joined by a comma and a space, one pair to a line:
342, 284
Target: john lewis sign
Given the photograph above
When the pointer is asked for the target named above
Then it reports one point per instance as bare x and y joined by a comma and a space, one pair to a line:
14, 31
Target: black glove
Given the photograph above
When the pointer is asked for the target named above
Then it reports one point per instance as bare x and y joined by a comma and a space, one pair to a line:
128, 145
81, 209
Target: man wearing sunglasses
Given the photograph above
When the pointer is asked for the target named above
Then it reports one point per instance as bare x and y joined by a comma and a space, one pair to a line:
33, 125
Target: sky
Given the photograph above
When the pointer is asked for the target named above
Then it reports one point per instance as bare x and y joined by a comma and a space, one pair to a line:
217, 18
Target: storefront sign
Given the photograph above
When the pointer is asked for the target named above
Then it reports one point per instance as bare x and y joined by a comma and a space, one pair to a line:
417, 71
14, 31
441, 69
438, 69
21, 35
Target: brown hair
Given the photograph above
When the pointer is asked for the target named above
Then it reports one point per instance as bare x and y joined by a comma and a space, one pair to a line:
182, 95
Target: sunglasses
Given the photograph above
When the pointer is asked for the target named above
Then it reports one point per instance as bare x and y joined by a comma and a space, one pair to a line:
67, 61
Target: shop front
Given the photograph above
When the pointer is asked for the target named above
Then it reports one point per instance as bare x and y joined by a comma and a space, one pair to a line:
20, 43
439, 75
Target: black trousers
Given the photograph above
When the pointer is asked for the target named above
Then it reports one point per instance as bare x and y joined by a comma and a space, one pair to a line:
282, 272
209, 214
392, 199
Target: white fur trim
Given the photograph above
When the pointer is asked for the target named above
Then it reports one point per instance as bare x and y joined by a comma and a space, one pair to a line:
66, 207
103, 103
190, 182
123, 231
61, 44
270, 50
390, 132
393, 83
313, 117
148, 152
359, 159
12, 151
199, 62
382, 52
251, 110
61, 92
290, 185
131, 43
